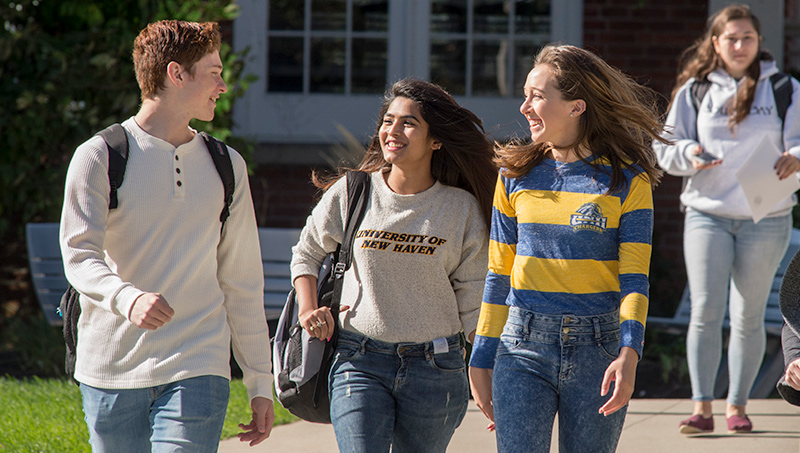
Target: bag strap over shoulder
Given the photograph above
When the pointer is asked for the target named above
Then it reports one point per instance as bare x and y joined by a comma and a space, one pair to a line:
698, 91
117, 143
222, 161
782, 91
358, 188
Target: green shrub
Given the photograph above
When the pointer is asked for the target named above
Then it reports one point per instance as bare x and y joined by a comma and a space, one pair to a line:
65, 73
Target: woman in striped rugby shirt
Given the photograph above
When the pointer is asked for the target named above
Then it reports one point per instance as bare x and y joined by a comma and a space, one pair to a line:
568, 259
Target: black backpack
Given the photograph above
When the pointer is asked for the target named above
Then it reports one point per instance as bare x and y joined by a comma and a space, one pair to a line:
301, 363
117, 143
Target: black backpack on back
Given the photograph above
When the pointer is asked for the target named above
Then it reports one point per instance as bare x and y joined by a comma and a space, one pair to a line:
117, 143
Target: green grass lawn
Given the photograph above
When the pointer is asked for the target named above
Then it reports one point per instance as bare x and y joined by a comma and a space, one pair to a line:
45, 415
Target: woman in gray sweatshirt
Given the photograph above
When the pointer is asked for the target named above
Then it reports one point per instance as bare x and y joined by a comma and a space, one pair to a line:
413, 291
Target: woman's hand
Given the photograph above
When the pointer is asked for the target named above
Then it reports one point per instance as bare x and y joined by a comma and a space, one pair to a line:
623, 372
787, 165
480, 379
699, 163
318, 323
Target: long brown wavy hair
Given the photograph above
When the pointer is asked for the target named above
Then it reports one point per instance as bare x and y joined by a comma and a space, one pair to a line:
620, 122
700, 59
465, 159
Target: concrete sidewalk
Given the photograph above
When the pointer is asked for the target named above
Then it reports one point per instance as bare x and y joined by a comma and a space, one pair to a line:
651, 426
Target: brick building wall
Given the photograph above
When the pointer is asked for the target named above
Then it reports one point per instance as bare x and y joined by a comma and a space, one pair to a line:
644, 38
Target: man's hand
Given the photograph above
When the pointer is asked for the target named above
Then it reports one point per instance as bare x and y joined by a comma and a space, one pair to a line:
623, 372
151, 311
260, 426
793, 374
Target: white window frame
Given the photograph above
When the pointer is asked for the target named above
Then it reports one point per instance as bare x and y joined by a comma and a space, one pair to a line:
319, 118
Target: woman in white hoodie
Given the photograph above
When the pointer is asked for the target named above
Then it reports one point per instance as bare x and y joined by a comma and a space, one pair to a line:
722, 108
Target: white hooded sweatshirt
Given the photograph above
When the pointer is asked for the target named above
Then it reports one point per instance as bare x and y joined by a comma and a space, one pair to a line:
716, 190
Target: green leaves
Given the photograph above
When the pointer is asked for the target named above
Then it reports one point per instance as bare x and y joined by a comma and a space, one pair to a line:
65, 73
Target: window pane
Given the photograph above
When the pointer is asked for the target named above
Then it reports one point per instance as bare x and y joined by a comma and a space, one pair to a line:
448, 65
489, 63
532, 16
328, 14
285, 65
286, 14
370, 15
449, 16
369, 66
490, 16
524, 53
327, 65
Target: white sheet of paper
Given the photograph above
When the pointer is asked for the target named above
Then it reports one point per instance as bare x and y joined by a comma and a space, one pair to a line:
760, 182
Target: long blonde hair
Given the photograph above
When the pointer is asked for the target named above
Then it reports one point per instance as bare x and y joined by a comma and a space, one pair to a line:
620, 122
700, 59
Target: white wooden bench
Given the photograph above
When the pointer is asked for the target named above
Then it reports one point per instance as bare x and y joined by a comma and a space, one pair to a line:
47, 270
772, 367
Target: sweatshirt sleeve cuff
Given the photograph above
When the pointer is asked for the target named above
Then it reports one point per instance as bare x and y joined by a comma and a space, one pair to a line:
123, 301
259, 385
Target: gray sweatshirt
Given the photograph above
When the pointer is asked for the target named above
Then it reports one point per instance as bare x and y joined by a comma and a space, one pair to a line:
419, 261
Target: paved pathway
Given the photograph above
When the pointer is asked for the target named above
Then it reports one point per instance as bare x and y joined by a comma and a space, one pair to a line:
650, 427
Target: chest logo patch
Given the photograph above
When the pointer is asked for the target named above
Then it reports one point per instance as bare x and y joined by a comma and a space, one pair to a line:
589, 217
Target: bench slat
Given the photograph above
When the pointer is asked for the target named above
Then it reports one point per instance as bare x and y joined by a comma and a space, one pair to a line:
47, 269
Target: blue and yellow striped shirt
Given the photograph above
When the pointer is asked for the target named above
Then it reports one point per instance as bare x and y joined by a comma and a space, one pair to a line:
560, 245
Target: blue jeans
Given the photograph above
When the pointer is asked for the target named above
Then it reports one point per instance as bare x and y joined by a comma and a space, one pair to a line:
185, 416
398, 395
730, 265
554, 364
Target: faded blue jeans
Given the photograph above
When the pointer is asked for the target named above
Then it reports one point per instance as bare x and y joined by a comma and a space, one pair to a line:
182, 416
554, 364
742, 256
398, 395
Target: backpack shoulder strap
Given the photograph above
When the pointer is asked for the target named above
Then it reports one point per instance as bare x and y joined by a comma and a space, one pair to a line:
117, 143
782, 90
358, 189
698, 91
222, 161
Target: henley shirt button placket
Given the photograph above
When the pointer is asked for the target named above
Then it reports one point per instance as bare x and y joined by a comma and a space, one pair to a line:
178, 182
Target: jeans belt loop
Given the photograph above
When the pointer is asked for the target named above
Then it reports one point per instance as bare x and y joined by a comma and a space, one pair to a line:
363, 347
527, 324
597, 332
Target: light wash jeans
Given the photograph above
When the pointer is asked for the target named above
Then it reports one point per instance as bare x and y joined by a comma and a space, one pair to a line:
554, 364
183, 416
398, 395
740, 256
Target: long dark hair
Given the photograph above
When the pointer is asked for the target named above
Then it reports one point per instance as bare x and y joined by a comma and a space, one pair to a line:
619, 124
700, 59
465, 158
